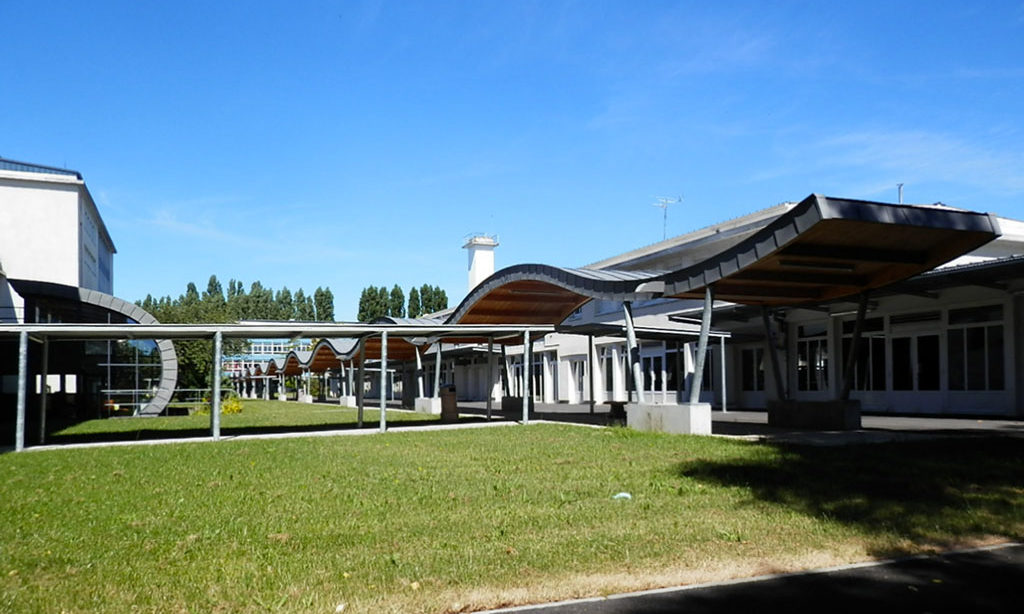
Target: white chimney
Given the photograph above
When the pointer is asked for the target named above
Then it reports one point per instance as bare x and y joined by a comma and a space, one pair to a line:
481, 258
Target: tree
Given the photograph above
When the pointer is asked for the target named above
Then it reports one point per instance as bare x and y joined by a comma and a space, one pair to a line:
304, 307
414, 303
285, 305
323, 301
363, 314
396, 302
214, 292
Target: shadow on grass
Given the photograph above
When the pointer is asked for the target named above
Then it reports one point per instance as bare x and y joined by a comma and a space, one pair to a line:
933, 493
192, 433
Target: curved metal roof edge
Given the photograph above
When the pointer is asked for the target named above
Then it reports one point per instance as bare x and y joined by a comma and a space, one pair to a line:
168, 356
587, 283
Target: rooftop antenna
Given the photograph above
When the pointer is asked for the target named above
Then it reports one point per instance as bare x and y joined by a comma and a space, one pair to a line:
899, 187
663, 204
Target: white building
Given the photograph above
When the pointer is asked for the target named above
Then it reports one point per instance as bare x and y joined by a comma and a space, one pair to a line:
947, 342
56, 265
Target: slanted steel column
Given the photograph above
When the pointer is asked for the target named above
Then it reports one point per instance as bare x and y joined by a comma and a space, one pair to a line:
437, 371
43, 390
360, 384
383, 381
854, 351
419, 372
215, 395
725, 404
773, 354
490, 375
590, 371
702, 345
19, 429
634, 352
527, 374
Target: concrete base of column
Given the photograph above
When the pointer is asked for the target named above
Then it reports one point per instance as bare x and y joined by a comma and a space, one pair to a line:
282, 396
815, 415
348, 401
306, 398
682, 419
427, 405
514, 405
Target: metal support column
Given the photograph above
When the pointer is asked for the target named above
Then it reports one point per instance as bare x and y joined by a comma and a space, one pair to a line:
383, 381
215, 395
725, 403
19, 429
44, 390
490, 375
360, 383
590, 371
506, 378
773, 355
680, 381
634, 352
419, 372
437, 371
350, 383
527, 375
702, 345
853, 352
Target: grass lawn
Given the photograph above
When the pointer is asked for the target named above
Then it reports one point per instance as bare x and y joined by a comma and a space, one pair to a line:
450, 521
256, 417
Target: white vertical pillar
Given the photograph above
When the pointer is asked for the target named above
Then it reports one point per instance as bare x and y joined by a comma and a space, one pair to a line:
527, 375
19, 429
725, 403
490, 375
44, 394
437, 371
590, 371
383, 381
419, 372
360, 383
215, 395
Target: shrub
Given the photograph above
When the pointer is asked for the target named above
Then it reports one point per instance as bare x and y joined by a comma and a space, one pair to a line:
231, 405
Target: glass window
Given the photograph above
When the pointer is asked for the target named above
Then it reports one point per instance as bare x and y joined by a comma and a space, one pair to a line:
975, 357
869, 368
752, 369
671, 375
928, 362
902, 364
812, 364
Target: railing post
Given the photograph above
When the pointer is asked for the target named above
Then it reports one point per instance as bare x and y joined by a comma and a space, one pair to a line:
19, 432
215, 396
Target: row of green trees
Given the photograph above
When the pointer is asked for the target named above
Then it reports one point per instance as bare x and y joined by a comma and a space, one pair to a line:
195, 358
258, 303
376, 302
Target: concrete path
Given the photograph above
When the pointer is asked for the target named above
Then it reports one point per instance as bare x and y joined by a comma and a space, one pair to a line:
982, 580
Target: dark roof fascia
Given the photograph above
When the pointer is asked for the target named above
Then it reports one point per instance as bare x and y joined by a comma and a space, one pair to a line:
806, 214
28, 167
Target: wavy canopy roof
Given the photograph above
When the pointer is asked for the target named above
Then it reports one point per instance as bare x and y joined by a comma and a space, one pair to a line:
820, 250
829, 248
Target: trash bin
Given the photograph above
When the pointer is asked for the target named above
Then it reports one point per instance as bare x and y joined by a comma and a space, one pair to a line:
449, 405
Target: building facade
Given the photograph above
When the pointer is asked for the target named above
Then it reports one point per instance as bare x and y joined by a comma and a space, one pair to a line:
57, 265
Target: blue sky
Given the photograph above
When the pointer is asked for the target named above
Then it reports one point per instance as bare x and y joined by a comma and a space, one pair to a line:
344, 144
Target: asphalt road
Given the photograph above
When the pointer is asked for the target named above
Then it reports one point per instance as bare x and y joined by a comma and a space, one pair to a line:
987, 580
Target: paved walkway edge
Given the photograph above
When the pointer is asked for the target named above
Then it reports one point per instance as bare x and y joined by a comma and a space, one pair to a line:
753, 579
